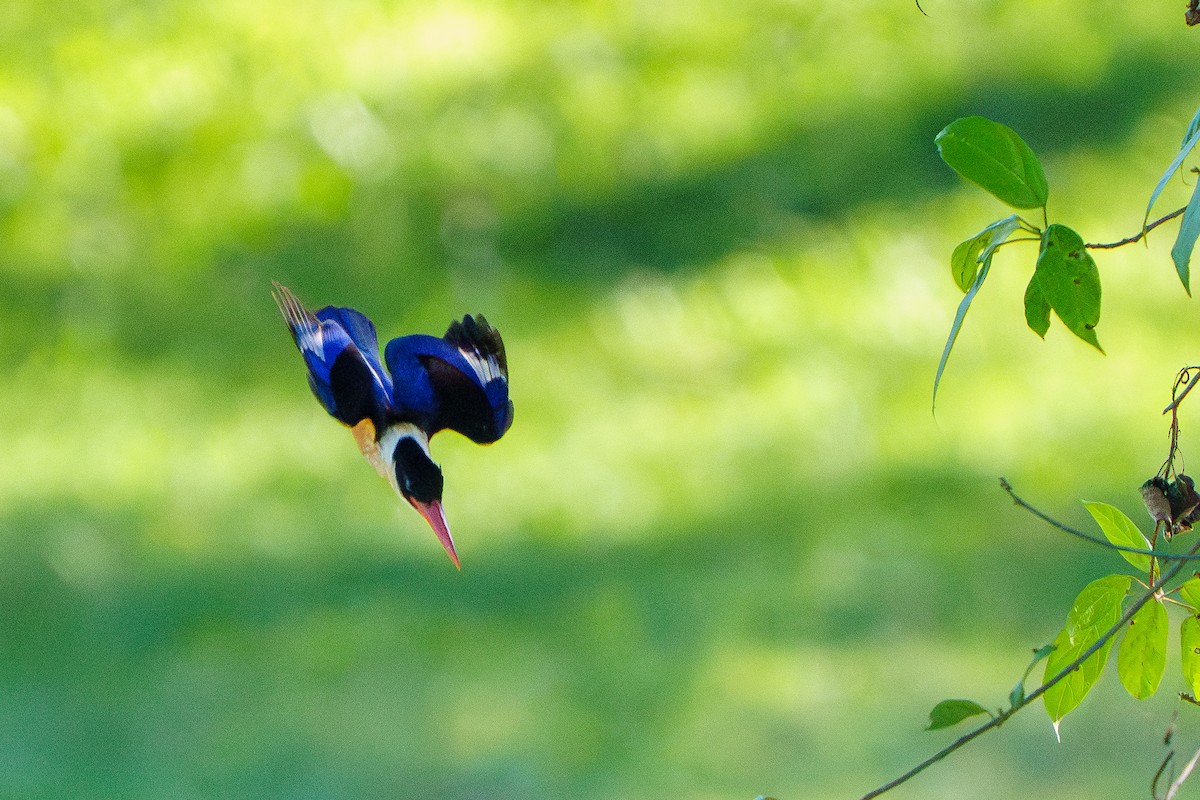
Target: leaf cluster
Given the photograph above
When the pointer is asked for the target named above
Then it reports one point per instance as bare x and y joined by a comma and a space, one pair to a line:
1065, 279
1076, 657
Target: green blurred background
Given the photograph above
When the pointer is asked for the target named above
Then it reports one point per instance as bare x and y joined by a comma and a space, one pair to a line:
725, 549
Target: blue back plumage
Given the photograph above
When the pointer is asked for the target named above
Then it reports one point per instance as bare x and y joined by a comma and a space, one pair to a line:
362, 333
413, 395
457, 382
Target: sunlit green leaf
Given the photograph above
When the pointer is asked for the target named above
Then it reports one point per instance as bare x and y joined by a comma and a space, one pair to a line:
1121, 530
996, 234
996, 158
965, 261
1185, 242
956, 325
1095, 610
1189, 592
1068, 279
1189, 647
952, 712
1142, 656
1190, 138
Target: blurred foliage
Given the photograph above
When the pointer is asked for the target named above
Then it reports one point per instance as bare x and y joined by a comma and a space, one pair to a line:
724, 550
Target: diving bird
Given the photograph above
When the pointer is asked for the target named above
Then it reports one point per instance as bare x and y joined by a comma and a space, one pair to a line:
457, 382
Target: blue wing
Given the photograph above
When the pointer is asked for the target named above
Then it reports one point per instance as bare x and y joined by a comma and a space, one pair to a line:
342, 355
458, 382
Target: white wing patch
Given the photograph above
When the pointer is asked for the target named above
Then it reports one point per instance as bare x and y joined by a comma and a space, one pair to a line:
486, 367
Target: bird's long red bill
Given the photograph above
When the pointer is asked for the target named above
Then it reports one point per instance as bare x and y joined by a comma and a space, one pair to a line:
433, 514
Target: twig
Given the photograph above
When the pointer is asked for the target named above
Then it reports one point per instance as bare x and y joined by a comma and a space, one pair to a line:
1166, 762
1176, 400
1159, 554
999, 720
1183, 776
1168, 735
1138, 237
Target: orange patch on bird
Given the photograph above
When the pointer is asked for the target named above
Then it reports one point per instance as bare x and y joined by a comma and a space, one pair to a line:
364, 434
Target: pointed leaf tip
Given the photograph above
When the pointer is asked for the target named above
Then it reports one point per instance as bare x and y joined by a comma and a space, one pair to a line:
988, 240
1096, 609
1037, 309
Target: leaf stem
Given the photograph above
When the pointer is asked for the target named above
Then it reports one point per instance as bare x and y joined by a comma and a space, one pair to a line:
1139, 236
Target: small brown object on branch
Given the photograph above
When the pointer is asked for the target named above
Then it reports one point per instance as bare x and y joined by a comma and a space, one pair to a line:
1192, 15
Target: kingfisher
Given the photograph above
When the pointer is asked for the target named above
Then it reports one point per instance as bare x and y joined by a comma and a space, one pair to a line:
456, 382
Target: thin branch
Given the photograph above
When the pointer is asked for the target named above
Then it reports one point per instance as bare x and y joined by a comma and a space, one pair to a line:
1159, 554
997, 721
1137, 237
1183, 776
1166, 765
1166, 762
994, 722
1179, 398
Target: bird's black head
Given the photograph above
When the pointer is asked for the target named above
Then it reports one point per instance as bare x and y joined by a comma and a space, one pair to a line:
417, 476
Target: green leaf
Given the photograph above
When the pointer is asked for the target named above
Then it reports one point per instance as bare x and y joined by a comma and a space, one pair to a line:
1068, 279
1121, 531
1185, 241
965, 261
1189, 646
1192, 127
1095, 611
1189, 592
1037, 308
997, 233
952, 712
956, 326
1190, 139
1142, 656
996, 158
